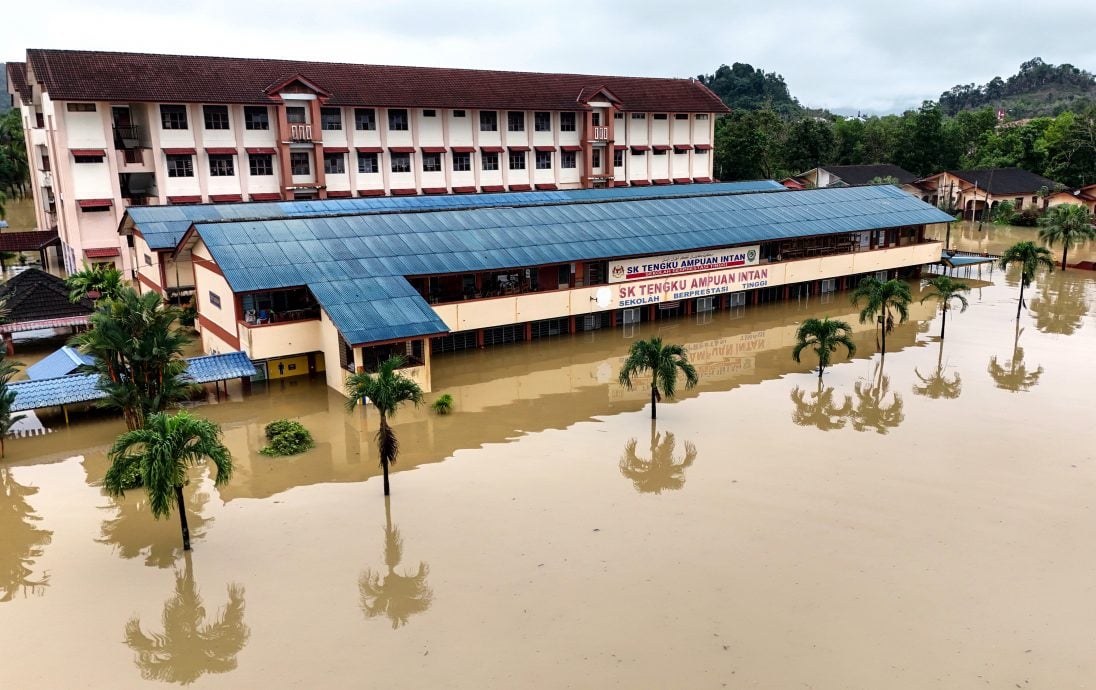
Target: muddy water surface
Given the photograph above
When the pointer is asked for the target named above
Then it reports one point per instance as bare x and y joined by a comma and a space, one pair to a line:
923, 522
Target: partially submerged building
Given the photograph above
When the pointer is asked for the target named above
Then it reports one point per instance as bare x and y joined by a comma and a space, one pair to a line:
855, 176
975, 191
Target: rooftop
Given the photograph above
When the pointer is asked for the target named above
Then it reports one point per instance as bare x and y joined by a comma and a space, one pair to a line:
1003, 180
864, 174
17, 79
34, 295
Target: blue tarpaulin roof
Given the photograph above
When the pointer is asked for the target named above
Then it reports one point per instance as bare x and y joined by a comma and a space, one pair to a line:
163, 226
59, 363
355, 265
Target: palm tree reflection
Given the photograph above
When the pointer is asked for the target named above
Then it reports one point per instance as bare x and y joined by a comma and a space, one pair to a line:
133, 533
21, 541
937, 385
662, 471
189, 647
1013, 375
391, 594
820, 411
871, 412
1060, 306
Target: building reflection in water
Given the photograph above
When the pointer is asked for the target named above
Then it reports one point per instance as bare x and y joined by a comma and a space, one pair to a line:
662, 470
21, 540
390, 594
133, 532
820, 410
872, 411
937, 384
189, 646
1014, 375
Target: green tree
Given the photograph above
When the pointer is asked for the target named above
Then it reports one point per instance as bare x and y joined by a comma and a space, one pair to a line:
387, 390
394, 595
8, 369
945, 289
880, 298
664, 362
1066, 224
748, 145
922, 140
824, 336
158, 456
104, 282
138, 351
663, 471
14, 165
1031, 258
809, 143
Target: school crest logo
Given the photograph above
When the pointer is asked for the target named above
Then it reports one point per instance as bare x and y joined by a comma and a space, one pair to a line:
618, 271
751, 255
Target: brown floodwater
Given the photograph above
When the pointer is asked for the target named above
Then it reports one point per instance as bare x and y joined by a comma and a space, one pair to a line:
995, 239
924, 522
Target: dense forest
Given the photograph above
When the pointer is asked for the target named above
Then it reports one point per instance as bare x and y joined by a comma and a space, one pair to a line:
1037, 90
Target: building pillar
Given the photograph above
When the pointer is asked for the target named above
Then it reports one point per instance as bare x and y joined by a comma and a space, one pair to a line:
9, 344
651, 312
479, 338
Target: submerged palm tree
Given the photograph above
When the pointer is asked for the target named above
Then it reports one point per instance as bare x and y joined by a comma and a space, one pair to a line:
129, 536
158, 456
190, 647
23, 541
1031, 259
937, 385
1068, 224
387, 390
944, 290
102, 282
824, 335
880, 298
391, 594
821, 411
870, 411
664, 362
1014, 375
662, 470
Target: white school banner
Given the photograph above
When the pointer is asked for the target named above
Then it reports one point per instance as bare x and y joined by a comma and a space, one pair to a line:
675, 264
701, 285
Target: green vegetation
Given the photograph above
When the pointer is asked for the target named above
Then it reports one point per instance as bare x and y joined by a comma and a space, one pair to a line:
387, 390
443, 405
742, 87
160, 453
880, 298
1038, 89
664, 362
14, 167
286, 437
1031, 258
102, 282
824, 336
7, 397
1068, 225
944, 290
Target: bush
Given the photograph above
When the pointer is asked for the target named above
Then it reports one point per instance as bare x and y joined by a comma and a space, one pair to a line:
443, 405
1005, 213
286, 437
1028, 218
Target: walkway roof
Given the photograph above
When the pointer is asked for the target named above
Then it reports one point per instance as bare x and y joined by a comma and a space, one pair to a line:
59, 363
163, 226
957, 261
355, 265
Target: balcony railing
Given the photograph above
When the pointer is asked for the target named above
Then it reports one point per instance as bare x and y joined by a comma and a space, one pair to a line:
127, 136
601, 133
300, 131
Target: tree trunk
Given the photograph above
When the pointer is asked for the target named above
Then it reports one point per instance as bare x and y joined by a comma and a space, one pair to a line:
883, 353
384, 456
943, 322
1065, 251
1020, 303
182, 517
654, 394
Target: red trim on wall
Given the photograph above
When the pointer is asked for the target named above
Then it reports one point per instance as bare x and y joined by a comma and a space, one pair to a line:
519, 149
491, 149
434, 190
339, 193
683, 147
683, 180
261, 150
221, 333
370, 149
221, 198
570, 147
207, 264
335, 149
702, 179
464, 190
661, 147
641, 148
102, 252
370, 192
620, 147
520, 188
179, 152
620, 183
220, 151
661, 181
98, 153
401, 149
464, 149
95, 203
546, 187
544, 149
703, 147
492, 188
194, 199
266, 196
147, 282
404, 192
641, 183
433, 149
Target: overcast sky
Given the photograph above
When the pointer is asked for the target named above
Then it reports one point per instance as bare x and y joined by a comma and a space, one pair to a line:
874, 55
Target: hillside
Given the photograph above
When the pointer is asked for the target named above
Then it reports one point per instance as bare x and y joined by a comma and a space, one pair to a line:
1038, 89
742, 87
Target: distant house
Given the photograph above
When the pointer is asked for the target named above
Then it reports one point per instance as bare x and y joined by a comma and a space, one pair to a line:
1084, 196
854, 176
37, 300
973, 191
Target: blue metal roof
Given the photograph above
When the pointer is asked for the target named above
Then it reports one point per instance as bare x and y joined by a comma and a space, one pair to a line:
355, 265
59, 363
230, 365
957, 261
163, 226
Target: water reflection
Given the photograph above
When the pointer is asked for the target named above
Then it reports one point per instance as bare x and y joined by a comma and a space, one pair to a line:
390, 594
872, 411
1014, 375
189, 647
134, 533
21, 541
1060, 306
820, 410
661, 471
937, 384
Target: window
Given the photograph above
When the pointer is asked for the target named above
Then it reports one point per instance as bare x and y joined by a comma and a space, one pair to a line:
595, 119
702, 116
330, 119
517, 160
397, 120
88, 159
216, 116
458, 113
639, 116
365, 119
368, 163
256, 117
660, 116
431, 162
544, 160
173, 116
295, 115
180, 166
568, 159
566, 122
542, 122
638, 152
429, 113
260, 164
659, 152
595, 158
401, 162
215, 299
489, 121
515, 121
618, 159
221, 166
702, 152
334, 164
299, 164
462, 162
489, 161
618, 116
148, 259
681, 116
80, 107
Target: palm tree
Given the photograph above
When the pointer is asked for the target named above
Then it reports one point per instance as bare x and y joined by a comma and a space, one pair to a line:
879, 299
870, 411
822, 413
824, 335
946, 289
129, 536
7, 399
662, 471
1014, 375
1069, 224
104, 282
396, 596
158, 456
23, 540
138, 352
190, 647
937, 385
663, 361
1031, 259
387, 390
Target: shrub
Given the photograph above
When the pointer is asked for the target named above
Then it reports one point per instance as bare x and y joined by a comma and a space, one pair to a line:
286, 437
1028, 218
443, 405
1005, 213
